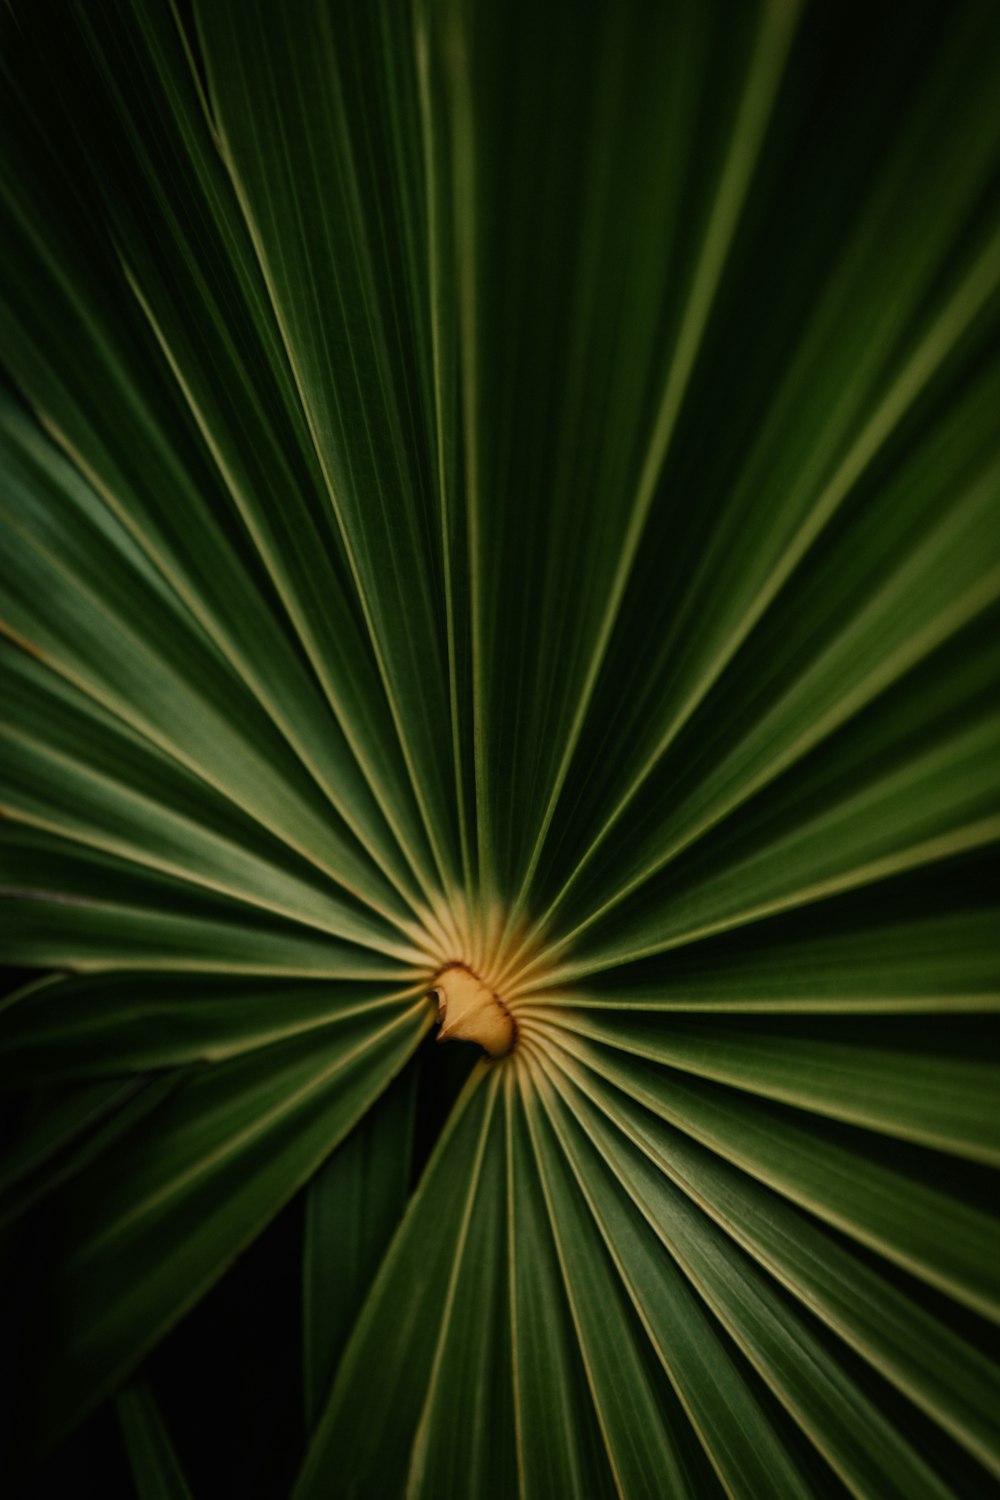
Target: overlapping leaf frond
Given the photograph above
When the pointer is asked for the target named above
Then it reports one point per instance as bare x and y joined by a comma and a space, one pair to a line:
513, 486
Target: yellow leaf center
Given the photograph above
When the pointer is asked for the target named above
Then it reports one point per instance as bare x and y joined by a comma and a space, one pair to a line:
471, 1012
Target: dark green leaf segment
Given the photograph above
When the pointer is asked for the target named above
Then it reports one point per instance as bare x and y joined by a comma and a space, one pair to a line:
501, 541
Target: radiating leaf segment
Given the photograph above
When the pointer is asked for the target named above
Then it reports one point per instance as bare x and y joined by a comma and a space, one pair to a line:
501, 526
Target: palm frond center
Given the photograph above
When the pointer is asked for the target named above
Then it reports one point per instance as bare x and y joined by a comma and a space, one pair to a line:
471, 1011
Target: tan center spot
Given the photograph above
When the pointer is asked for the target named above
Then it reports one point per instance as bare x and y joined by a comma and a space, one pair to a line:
471, 1012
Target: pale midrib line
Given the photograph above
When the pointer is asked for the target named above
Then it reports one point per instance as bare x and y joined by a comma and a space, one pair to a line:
201, 1285
551, 1086
222, 848
360, 235
880, 1123
883, 676
178, 964
172, 750
194, 76
159, 965
257, 1039
583, 1054
398, 413
122, 710
302, 390
154, 925
139, 552
577, 1077
581, 1343
120, 849
972, 1002
16, 996
194, 602
746, 140
421, 1434
288, 595
235, 1143
221, 200
506, 976
252, 1041
512, 1253
463, 138
429, 156
944, 334
385, 1272
576, 1070
285, 590
46, 253
929, 851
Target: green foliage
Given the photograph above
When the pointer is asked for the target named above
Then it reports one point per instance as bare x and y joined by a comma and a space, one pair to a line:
518, 486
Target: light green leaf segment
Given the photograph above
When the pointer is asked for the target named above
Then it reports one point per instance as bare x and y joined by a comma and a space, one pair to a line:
514, 485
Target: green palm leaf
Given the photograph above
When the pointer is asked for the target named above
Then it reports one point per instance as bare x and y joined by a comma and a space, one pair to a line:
157, 1473
502, 518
